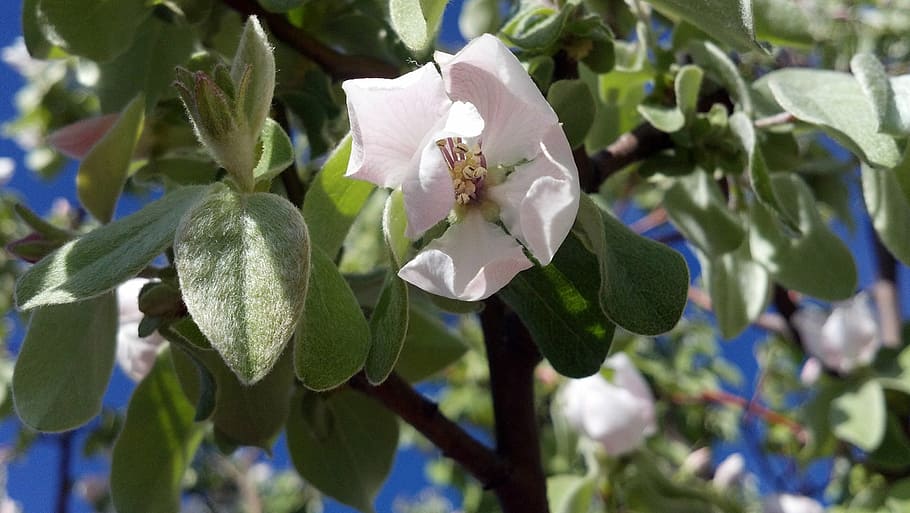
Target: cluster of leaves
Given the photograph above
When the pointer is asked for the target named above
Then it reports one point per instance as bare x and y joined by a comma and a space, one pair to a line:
278, 281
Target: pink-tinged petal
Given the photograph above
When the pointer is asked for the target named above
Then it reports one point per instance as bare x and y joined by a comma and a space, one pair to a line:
471, 261
488, 75
429, 194
390, 122
75, 140
538, 202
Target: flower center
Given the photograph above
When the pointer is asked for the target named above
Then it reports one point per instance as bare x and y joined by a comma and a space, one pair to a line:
467, 167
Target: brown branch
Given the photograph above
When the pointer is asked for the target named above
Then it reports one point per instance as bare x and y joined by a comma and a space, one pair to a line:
884, 292
340, 66
751, 407
512, 358
642, 142
424, 415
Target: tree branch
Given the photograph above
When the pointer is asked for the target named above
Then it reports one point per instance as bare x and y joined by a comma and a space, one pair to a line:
336, 64
65, 483
642, 142
512, 358
424, 415
884, 292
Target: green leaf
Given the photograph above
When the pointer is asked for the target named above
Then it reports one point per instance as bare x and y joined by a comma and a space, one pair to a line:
342, 444
782, 22
280, 5
574, 105
242, 414
478, 17
97, 29
898, 499
697, 208
333, 337
858, 415
644, 283
333, 201
430, 346
759, 175
894, 451
568, 493
253, 74
37, 45
835, 102
146, 67
102, 259
729, 21
103, 172
417, 22
65, 363
388, 326
156, 446
718, 65
243, 261
816, 262
888, 96
394, 224
666, 119
560, 306
276, 153
687, 84
889, 208
739, 289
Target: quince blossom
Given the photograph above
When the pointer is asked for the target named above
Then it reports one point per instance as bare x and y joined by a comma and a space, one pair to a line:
618, 415
477, 145
843, 340
135, 355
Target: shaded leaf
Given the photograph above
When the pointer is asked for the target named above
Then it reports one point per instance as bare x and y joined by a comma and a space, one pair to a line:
342, 444
65, 363
91, 28
156, 446
333, 337
575, 108
430, 346
739, 288
697, 208
889, 208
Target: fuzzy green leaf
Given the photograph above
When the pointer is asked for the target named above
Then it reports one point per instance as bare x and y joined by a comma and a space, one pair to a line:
430, 346
696, 207
156, 445
835, 102
729, 21
333, 201
782, 22
342, 444
739, 288
858, 415
816, 261
388, 326
333, 338
103, 172
102, 259
417, 22
888, 96
97, 29
65, 363
243, 261
277, 152
889, 208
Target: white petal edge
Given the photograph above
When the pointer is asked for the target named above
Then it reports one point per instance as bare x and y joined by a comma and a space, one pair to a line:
488, 75
390, 122
471, 261
429, 194
538, 202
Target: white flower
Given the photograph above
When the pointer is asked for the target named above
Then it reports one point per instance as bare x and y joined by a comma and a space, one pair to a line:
730, 471
698, 462
135, 355
843, 340
811, 371
618, 415
7, 168
475, 146
786, 503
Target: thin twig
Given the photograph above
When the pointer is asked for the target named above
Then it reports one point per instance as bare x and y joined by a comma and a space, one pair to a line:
782, 118
424, 415
65, 480
752, 408
340, 66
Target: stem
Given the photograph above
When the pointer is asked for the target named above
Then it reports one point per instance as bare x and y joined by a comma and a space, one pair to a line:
424, 415
63, 472
336, 64
643, 141
512, 358
884, 291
